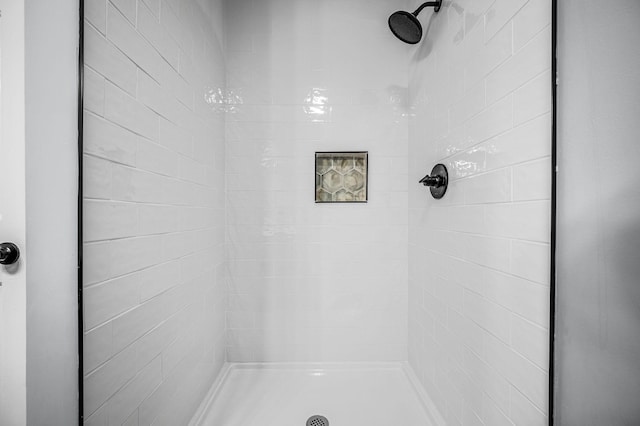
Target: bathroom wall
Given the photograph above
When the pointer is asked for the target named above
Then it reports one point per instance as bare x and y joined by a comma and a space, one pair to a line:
480, 90
154, 289
597, 346
315, 282
51, 255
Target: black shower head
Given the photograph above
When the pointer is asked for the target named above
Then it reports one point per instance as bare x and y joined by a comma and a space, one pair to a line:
406, 26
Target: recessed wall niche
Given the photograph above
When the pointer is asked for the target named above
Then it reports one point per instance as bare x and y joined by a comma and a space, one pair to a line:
341, 177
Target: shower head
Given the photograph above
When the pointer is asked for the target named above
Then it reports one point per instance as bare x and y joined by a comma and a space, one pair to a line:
406, 26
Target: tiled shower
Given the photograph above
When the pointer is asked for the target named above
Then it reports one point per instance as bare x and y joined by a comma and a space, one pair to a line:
204, 244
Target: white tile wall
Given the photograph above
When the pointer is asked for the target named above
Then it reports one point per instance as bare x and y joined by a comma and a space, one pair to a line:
314, 282
309, 282
480, 90
154, 296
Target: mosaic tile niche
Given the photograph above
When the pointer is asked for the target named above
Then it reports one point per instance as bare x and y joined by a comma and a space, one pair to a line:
341, 177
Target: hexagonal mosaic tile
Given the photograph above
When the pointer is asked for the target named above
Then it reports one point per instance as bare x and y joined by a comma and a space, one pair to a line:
341, 177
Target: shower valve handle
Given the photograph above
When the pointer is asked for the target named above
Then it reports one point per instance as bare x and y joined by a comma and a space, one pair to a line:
435, 181
438, 181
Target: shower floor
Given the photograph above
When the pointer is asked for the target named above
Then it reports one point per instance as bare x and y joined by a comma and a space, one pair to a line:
287, 395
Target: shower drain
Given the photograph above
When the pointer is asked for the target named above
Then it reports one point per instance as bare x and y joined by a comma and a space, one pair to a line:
317, 421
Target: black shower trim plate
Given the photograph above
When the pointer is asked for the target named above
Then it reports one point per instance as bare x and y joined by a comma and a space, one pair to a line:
438, 181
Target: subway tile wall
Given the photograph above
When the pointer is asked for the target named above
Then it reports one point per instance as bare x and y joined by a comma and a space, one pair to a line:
313, 282
480, 93
154, 209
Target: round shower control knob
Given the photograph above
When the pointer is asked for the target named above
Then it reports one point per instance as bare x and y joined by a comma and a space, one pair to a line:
9, 253
438, 181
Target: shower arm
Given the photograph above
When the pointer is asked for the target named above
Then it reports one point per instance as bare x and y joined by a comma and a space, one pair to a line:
435, 4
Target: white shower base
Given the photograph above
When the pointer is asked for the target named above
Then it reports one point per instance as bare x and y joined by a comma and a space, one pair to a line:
288, 394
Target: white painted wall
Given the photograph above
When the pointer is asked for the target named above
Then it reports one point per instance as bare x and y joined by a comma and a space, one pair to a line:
313, 282
480, 91
597, 338
154, 209
13, 293
51, 81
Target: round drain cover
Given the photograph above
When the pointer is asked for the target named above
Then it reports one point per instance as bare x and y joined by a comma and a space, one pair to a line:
317, 421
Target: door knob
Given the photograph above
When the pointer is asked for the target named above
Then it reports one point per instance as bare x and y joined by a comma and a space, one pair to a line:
9, 253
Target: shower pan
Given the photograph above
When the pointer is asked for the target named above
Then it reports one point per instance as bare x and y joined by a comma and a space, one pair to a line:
355, 394
217, 291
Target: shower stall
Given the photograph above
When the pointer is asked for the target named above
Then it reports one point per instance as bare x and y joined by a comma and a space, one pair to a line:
218, 290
